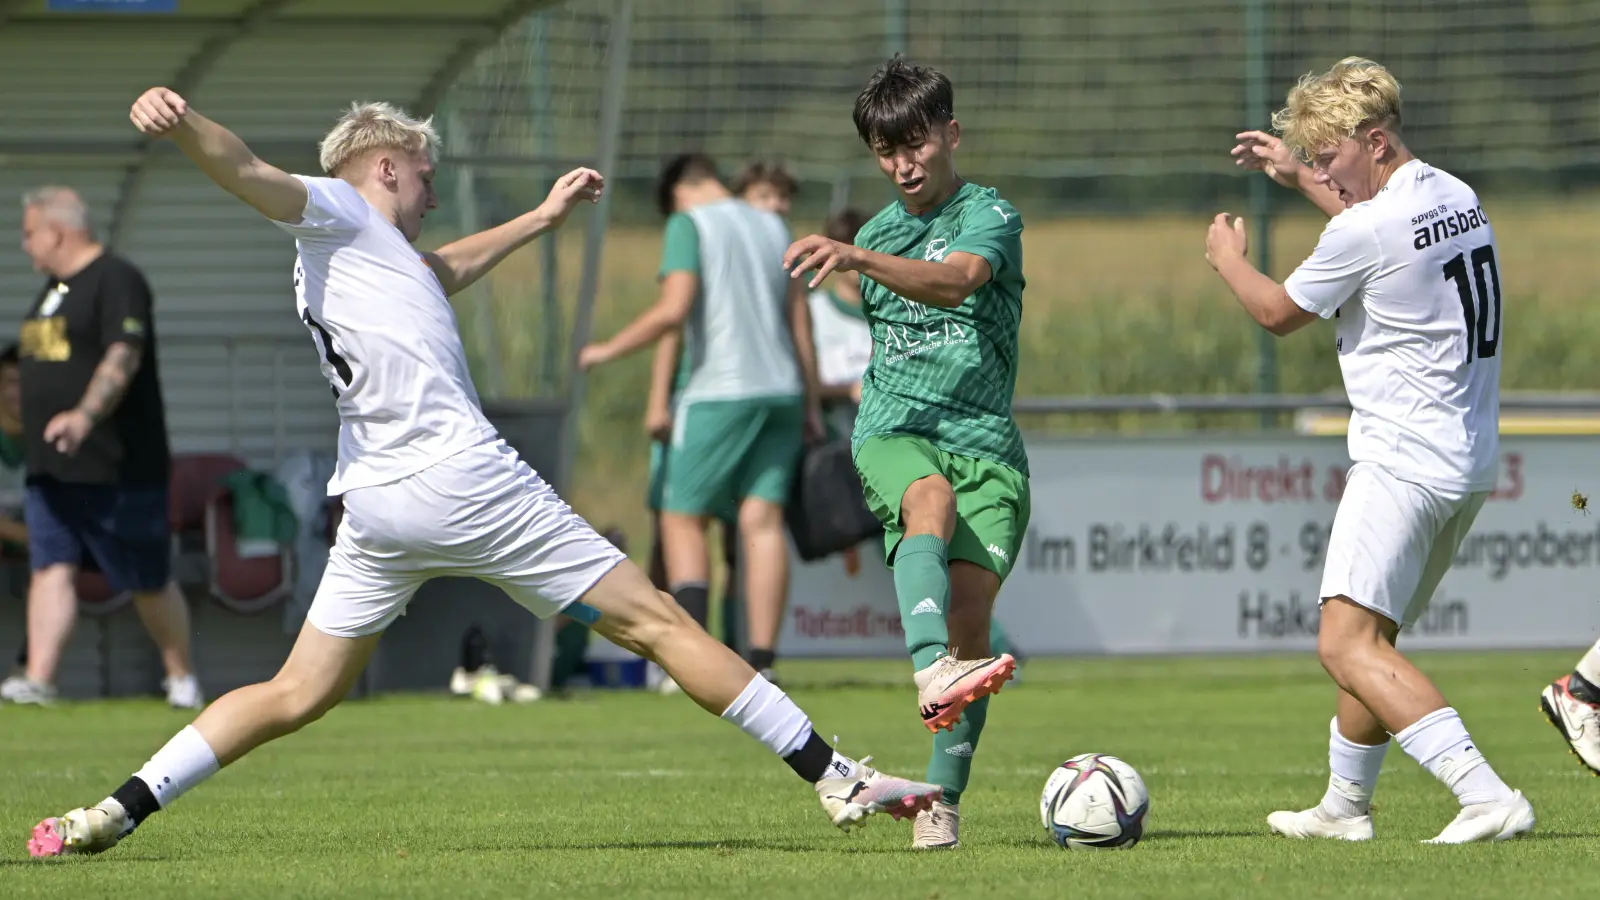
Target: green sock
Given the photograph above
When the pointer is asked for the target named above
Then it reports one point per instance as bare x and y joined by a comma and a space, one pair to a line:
999, 643
922, 587
951, 762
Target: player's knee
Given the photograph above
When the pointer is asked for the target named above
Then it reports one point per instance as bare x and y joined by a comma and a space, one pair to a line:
647, 623
758, 516
929, 506
300, 701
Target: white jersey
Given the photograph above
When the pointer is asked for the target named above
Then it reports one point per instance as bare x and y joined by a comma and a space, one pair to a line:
1419, 350
843, 340
388, 340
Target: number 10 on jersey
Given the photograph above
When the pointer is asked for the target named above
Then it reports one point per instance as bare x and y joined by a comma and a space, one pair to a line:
1485, 276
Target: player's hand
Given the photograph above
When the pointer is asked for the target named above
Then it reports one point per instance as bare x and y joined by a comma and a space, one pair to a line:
825, 256
815, 433
1261, 152
66, 431
658, 422
158, 111
570, 190
1223, 240
593, 355
855, 393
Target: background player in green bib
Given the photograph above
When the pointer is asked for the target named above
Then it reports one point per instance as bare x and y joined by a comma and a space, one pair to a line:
939, 454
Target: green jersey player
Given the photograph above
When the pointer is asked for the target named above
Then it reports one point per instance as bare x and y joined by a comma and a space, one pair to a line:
939, 454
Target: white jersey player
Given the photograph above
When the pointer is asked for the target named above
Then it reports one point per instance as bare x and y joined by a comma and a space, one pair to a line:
1407, 270
429, 488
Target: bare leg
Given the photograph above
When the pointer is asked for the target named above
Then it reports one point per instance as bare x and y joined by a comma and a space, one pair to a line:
320, 671
52, 611
765, 562
165, 614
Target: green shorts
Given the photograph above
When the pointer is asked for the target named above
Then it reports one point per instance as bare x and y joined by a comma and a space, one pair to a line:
726, 451
993, 501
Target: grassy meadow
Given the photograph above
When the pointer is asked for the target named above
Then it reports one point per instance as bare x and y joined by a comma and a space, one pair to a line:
1113, 305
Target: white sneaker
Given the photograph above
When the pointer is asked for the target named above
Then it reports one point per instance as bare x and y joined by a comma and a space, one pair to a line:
1578, 722
92, 830
30, 693
937, 827
849, 801
1496, 820
183, 692
1315, 823
12, 685
461, 682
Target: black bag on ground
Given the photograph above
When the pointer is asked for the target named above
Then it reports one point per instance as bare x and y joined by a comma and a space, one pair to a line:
827, 510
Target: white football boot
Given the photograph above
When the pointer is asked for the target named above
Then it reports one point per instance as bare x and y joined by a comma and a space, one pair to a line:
937, 827
1497, 820
1317, 823
1578, 722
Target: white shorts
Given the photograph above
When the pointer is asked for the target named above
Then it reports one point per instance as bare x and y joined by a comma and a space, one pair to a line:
482, 513
1393, 541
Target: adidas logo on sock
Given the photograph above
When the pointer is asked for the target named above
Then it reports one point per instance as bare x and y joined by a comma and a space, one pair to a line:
926, 606
962, 749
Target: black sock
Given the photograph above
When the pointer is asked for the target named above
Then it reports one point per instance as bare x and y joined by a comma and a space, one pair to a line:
762, 659
811, 761
695, 600
137, 800
1583, 689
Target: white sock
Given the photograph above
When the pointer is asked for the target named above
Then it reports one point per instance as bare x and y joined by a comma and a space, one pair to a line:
767, 714
1589, 666
1352, 774
184, 762
1441, 744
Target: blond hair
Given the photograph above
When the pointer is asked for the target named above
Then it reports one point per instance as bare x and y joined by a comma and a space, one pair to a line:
1323, 110
376, 126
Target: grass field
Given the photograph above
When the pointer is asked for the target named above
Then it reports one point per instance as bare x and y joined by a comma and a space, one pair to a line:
616, 795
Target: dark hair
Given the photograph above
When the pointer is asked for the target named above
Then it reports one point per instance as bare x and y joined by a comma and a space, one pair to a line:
843, 225
901, 102
690, 167
767, 171
10, 356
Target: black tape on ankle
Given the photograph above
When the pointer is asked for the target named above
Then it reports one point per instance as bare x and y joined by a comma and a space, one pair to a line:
811, 761
137, 800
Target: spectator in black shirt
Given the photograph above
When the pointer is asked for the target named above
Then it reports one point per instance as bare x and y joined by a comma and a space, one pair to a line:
97, 458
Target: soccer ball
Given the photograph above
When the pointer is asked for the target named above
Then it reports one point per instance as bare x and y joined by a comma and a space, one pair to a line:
1096, 801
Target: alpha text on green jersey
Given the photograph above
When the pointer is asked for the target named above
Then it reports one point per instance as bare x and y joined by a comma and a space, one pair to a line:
947, 374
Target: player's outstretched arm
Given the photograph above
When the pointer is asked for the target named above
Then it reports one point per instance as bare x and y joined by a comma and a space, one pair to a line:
670, 311
221, 155
1261, 152
945, 283
461, 263
1267, 301
663, 369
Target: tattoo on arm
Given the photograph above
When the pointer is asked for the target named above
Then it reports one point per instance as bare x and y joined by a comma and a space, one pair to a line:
111, 380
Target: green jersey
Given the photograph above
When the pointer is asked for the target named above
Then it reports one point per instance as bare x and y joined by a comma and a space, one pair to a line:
947, 375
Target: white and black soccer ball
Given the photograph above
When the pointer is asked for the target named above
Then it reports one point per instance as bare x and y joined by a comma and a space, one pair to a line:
1096, 801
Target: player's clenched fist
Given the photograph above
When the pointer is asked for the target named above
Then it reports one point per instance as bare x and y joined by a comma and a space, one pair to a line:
1225, 241
571, 189
158, 111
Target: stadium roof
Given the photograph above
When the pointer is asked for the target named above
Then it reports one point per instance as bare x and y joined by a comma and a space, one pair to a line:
276, 71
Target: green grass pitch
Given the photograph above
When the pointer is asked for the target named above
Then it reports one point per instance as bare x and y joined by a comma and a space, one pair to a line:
628, 795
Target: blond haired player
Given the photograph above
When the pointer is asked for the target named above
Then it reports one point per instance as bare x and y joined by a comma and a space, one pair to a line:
1407, 269
429, 487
